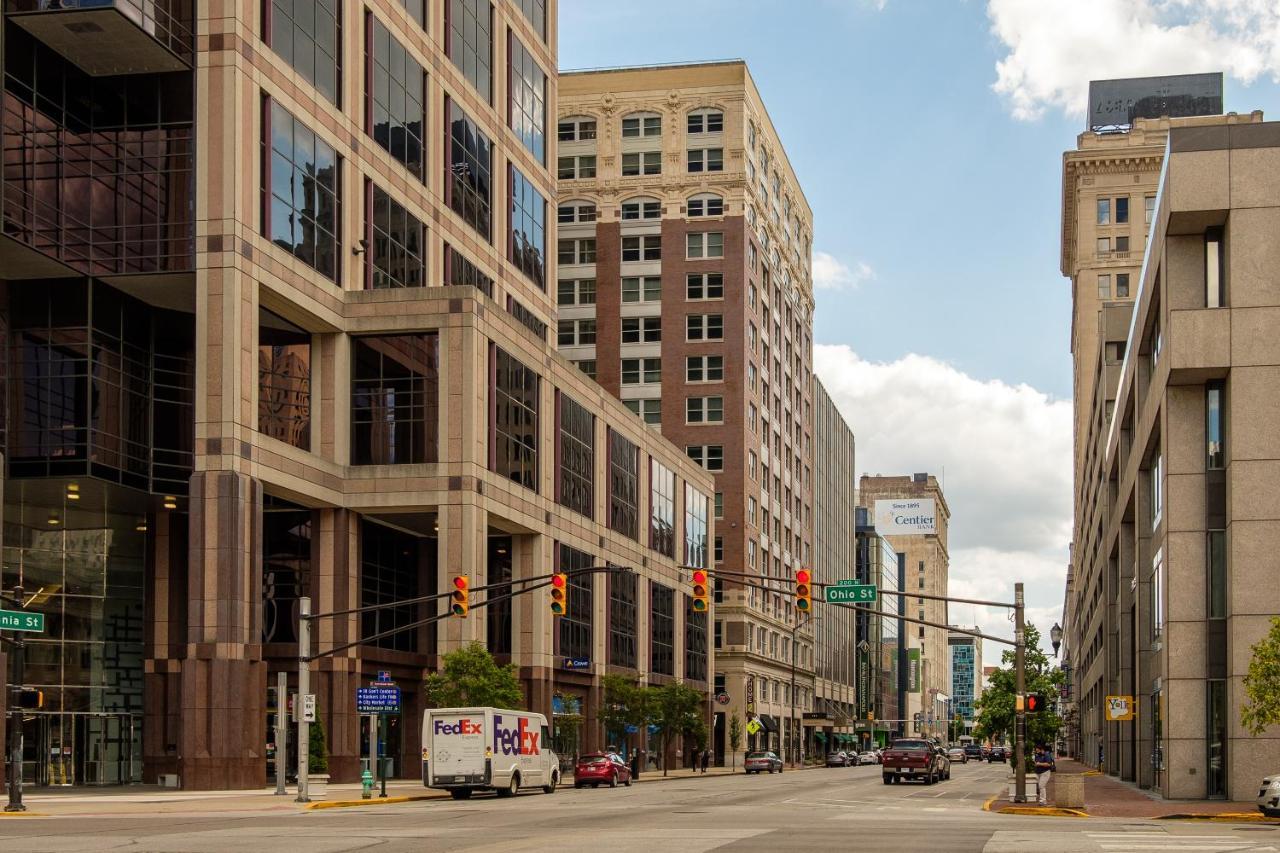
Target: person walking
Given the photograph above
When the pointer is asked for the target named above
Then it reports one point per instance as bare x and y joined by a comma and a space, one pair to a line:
1045, 766
706, 759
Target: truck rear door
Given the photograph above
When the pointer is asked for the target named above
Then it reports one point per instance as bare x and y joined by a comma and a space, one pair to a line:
457, 743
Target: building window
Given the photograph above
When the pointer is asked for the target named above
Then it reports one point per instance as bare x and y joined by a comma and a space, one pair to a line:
695, 642
706, 160
514, 421
1157, 490
1213, 425
528, 245
1104, 245
468, 36
704, 285
498, 612
1214, 262
706, 121
662, 508
704, 410
535, 12
1122, 210
574, 333
709, 456
302, 176
719, 558
527, 100
468, 176
389, 572
397, 254
662, 629
1104, 211
587, 366
649, 411
459, 271
1157, 594
704, 327
641, 163
704, 368
641, 209
704, 245
1122, 285
575, 624
624, 485
395, 92
623, 612
309, 37
395, 388
576, 129
1104, 286
637, 126
1217, 572
576, 212
526, 317
706, 205
578, 291
577, 457
284, 380
1149, 214
646, 288
1122, 243
646, 248
695, 527
576, 166
641, 371
1216, 737
578, 250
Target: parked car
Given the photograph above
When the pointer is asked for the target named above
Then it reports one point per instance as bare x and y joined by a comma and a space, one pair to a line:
914, 758
838, 759
600, 768
997, 754
973, 751
757, 762
869, 757
957, 753
1269, 796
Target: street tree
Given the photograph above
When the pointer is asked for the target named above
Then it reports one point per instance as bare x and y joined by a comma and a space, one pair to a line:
735, 739
996, 711
471, 678
1262, 683
676, 710
625, 704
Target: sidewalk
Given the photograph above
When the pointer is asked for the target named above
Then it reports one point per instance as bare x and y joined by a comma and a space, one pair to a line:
1108, 797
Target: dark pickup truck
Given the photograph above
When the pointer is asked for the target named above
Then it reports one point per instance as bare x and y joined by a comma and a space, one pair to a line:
912, 758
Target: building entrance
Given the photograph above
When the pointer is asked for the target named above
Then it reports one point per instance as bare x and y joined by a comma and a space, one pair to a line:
81, 749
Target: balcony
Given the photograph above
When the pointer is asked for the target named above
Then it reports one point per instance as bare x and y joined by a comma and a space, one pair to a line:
112, 37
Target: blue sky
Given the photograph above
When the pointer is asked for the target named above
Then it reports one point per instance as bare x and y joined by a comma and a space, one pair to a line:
928, 138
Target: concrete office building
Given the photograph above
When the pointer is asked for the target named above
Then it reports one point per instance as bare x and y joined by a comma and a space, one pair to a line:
1171, 575
276, 304
685, 288
881, 693
966, 679
927, 566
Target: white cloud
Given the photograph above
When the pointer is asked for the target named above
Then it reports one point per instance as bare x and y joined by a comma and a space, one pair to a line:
1055, 47
831, 273
1003, 454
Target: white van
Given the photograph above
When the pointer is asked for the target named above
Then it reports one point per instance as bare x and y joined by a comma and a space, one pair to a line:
487, 749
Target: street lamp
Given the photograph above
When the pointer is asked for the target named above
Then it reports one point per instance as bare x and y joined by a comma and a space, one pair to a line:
1055, 637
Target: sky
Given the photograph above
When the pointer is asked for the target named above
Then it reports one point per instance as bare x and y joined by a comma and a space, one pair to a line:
928, 136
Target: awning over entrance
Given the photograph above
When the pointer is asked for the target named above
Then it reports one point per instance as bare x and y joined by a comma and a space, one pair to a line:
820, 735
770, 723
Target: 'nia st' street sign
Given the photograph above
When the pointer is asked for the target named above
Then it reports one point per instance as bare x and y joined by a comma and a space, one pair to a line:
21, 620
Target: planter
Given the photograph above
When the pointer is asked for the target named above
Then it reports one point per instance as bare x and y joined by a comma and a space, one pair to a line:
317, 786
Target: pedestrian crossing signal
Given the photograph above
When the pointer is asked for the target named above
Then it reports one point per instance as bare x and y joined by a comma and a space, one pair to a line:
461, 595
1036, 702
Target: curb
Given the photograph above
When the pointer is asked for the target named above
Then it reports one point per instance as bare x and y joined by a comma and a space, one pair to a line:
23, 814
1225, 817
377, 801
986, 807
1046, 811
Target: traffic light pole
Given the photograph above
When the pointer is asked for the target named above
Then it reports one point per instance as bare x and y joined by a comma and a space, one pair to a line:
15, 719
304, 687
1020, 699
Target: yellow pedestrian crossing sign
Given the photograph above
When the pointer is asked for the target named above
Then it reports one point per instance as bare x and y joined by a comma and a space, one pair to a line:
753, 726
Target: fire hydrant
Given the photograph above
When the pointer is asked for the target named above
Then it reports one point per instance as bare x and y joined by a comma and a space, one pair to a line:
366, 785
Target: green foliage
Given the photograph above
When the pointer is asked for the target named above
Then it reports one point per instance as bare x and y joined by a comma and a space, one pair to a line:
471, 678
735, 737
317, 750
676, 710
625, 703
1262, 684
995, 708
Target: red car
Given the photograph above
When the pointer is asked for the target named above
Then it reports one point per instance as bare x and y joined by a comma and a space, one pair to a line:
597, 768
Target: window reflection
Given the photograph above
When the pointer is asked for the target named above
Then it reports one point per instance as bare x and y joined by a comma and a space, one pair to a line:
394, 399
284, 380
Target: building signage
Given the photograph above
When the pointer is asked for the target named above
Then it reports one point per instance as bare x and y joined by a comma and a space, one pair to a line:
906, 517
913, 670
21, 620
308, 707
722, 698
1121, 708
377, 700
751, 694
577, 663
1117, 103
847, 592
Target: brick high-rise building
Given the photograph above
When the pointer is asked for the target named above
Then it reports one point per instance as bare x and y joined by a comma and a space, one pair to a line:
685, 288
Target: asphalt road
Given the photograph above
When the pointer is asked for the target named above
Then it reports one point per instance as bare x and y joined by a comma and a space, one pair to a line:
827, 809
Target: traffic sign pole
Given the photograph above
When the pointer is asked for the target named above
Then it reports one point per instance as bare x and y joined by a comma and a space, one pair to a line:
304, 687
15, 718
282, 730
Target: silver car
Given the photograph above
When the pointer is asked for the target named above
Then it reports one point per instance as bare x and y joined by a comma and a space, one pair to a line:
1269, 796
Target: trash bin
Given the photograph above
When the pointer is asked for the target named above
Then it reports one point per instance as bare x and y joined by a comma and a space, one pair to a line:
1068, 790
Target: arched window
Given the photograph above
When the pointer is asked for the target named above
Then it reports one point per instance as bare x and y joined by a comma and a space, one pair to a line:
706, 204
577, 129
637, 125
576, 211
706, 120
641, 208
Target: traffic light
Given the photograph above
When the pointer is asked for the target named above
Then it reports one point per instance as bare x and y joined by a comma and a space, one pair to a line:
559, 594
30, 700
461, 595
1036, 702
700, 602
804, 591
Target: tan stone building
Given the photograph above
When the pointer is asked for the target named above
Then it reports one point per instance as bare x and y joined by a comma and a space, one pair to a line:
1173, 585
276, 326
927, 563
685, 288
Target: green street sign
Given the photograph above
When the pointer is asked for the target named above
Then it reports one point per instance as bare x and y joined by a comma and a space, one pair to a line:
21, 620
845, 592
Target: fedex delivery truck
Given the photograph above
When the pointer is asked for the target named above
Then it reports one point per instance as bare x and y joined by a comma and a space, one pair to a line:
487, 749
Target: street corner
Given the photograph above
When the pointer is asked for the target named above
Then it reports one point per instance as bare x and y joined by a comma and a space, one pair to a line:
1042, 811
320, 805
1224, 817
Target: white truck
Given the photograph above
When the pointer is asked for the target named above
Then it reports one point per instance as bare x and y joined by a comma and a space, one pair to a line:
487, 749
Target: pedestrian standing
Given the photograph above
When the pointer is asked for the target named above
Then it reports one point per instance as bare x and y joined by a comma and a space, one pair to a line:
1045, 766
706, 759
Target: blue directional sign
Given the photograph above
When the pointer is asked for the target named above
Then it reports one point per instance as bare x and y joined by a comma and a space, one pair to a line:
378, 700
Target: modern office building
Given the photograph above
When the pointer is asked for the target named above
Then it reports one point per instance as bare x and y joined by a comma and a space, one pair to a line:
927, 568
1171, 574
881, 655
276, 308
966, 679
685, 288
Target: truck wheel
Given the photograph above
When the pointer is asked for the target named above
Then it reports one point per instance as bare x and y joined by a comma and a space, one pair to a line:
460, 793
551, 789
513, 787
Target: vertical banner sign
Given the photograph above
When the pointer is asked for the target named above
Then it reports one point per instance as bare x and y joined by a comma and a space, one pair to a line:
913, 670
906, 517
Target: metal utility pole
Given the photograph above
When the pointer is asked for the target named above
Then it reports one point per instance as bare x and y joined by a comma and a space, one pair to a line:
282, 730
15, 717
791, 737
1020, 698
304, 687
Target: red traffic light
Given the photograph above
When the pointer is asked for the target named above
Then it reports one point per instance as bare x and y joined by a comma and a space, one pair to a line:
803, 576
461, 596
559, 602
559, 581
699, 576
460, 582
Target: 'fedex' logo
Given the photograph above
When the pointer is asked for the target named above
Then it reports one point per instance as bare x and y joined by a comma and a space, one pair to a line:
521, 740
461, 727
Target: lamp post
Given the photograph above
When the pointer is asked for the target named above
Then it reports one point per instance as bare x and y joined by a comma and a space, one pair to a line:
1055, 637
